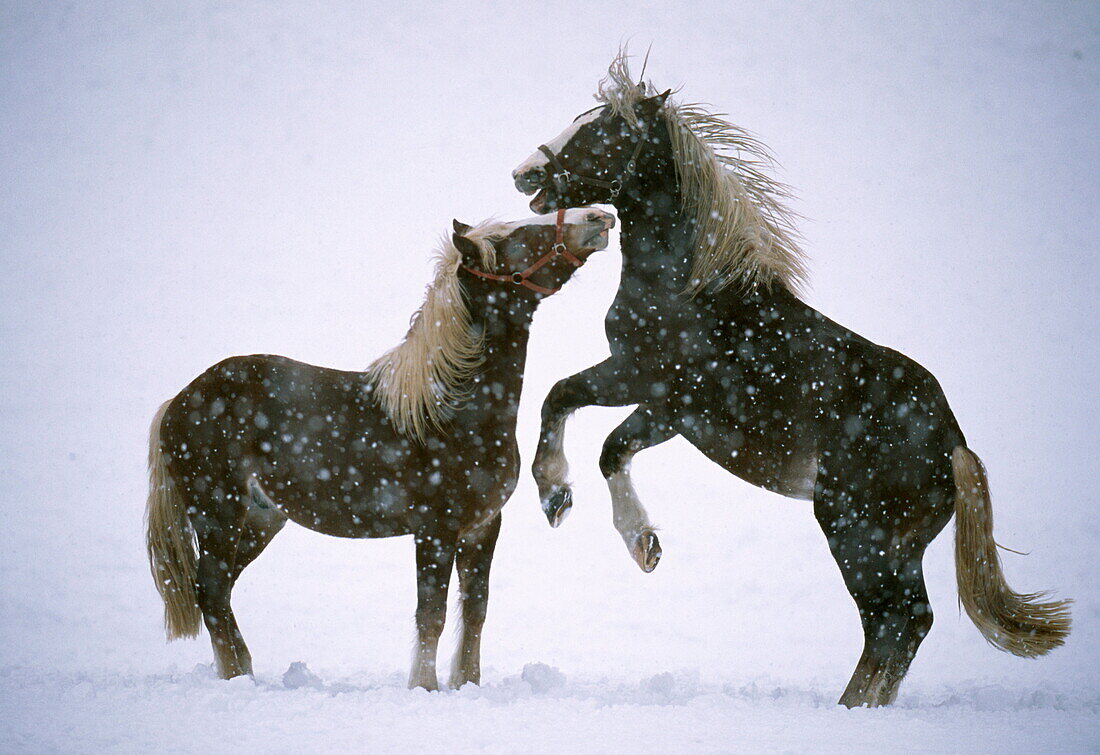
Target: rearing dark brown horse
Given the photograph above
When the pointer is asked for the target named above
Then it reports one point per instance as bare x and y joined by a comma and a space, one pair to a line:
709, 338
422, 443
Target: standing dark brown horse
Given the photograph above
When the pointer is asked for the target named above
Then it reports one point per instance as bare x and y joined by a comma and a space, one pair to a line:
709, 338
422, 443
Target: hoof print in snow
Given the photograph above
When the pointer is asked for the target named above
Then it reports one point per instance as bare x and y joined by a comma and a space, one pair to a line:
299, 675
662, 684
203, 671
542, 678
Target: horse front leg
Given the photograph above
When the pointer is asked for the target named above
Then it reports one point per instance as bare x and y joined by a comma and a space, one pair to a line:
475, 556
646, 427
435, 557
604, 384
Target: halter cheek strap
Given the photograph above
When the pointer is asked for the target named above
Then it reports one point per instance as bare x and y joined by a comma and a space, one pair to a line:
522, 278
563, 176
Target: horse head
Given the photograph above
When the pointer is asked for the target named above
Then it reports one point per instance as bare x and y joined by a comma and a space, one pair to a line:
530, 253
595, 156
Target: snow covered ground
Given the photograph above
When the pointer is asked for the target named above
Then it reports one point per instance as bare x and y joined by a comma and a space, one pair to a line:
181, 183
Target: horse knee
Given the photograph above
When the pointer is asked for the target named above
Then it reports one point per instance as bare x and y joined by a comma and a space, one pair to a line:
614, 455
559, 401
429, 623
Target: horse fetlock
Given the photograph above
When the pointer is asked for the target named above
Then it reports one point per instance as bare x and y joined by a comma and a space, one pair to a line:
557, 504
458, 682
468, 671
423, 673
232, 662
647, 551
424, 680
550, 469
874, 683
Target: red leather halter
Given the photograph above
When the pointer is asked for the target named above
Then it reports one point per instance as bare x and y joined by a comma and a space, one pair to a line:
522, 278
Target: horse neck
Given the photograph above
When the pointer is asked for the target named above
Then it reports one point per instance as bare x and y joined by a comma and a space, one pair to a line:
657, 234
502, 318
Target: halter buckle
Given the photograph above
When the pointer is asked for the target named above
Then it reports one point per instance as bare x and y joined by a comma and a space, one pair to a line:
559, 248
616, 187
563, 178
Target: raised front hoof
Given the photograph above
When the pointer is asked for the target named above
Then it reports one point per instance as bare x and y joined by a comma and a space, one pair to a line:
647, 551
556, 506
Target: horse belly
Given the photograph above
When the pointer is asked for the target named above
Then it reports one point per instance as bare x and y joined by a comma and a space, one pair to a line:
781, 464
381, 511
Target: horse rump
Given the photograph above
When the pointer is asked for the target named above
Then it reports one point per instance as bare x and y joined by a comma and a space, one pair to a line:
1018, 623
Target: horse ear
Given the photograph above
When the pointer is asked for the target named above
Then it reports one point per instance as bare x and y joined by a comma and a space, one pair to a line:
468, 249
651, 105
460, 227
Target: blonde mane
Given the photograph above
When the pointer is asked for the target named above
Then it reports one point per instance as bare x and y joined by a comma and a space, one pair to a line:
744, 233
419, 381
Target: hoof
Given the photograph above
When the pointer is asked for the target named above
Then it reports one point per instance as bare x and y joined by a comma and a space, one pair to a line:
426, 683
647, 551
556, 506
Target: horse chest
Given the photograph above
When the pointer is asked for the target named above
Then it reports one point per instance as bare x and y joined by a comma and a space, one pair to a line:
652, 336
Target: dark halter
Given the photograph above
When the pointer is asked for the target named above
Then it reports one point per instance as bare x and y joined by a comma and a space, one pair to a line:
563, 177
521, 278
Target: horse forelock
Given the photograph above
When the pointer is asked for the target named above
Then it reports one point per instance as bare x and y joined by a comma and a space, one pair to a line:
419, 381
619, 91
744, 232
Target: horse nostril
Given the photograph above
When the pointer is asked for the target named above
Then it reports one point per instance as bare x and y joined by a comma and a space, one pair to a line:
530, 180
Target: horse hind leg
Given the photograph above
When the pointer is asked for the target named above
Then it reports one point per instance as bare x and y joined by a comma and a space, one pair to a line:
884, 574
474, 558
219, 530
896, 618
263, 521
642, 429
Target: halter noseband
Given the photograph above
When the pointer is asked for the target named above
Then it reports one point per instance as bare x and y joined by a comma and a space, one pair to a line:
521, 278
614, 186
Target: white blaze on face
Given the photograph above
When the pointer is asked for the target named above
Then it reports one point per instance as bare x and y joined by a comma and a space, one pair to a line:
557, 144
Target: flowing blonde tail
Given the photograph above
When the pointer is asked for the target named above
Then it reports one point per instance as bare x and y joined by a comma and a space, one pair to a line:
169, 541
1017, 623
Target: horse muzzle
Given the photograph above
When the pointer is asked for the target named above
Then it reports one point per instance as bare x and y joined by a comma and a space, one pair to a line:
530, 180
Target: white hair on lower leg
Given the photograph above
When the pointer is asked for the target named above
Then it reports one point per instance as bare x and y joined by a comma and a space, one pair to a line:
551, 468
629, 515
